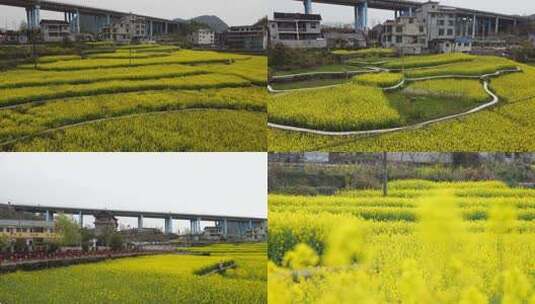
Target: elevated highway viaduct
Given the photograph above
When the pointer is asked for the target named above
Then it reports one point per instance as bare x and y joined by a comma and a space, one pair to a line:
238, 224
404, 8
86, 19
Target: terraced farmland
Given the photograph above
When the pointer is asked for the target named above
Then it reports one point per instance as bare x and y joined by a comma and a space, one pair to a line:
503, 126
163, 279
427, 242
136, 98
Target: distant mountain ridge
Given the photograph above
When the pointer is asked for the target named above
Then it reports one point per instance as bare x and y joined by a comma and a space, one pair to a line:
214, 22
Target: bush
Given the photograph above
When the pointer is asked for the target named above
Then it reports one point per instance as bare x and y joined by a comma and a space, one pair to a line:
4, 243
20, 246
116, 241
285, 58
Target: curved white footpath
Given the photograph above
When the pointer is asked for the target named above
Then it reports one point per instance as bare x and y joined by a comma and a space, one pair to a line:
484, 77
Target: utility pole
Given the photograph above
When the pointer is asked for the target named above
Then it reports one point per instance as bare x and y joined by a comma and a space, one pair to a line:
402, 63
385, 175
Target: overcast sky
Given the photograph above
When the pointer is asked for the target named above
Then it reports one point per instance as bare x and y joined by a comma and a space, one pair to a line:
344, 14
233, 12
207, 183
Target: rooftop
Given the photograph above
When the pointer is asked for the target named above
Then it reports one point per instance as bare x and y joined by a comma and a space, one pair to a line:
297, 16
49, 21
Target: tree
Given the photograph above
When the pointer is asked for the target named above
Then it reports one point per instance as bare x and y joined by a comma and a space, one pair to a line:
116, 241
104, 238
4, 243
68, 230
51, 246
20, 245
86, 235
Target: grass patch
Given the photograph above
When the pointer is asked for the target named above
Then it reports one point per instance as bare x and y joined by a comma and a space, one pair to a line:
307, 84
370, 52
322, 68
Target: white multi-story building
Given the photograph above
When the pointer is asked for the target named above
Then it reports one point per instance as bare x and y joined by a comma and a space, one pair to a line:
296, 30
433, 28
250, 38
407, 34
128, 28
203, 37
56, 31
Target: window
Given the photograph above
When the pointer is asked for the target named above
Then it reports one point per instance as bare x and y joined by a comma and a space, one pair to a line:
440, 22
450, 32
411, 20
466, 44
399, 29
313, 25
399, 39
441, 32
451, 23
421, 29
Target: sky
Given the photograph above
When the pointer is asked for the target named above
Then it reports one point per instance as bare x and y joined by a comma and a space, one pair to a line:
207, 183
233, 12
344, 14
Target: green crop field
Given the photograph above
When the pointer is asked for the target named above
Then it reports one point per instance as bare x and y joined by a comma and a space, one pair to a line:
135, 98
426, 242
152, 279
506, 126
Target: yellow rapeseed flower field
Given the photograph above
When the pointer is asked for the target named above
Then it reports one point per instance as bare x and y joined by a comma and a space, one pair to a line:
152, 279
79, 104
335, 249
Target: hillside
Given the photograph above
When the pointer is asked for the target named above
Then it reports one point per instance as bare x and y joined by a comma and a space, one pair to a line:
214, 22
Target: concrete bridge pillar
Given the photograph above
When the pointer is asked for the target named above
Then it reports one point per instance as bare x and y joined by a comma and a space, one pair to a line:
33, 17
28, 17
361, 16
81, 219
308, 6
49, 216
77, 21
195, 226
140, 222
169, 225
474, 26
